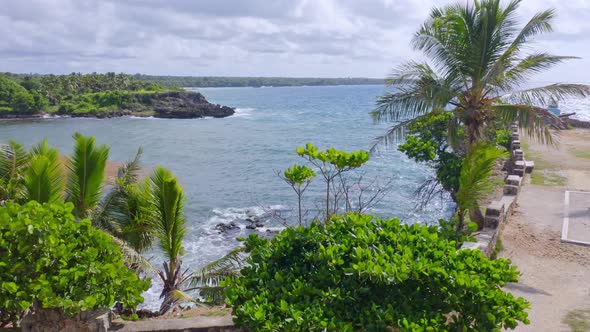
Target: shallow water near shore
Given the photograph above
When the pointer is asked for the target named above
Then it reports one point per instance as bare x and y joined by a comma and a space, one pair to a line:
228, 167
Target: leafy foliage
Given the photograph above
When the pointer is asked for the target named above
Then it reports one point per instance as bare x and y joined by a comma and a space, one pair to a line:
364, 273
427, 142
331, 164
299, 177
49, 260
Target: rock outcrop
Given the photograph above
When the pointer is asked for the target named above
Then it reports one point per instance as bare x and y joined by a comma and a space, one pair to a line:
187, 105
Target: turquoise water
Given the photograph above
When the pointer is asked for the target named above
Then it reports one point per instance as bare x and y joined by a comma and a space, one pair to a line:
228, 166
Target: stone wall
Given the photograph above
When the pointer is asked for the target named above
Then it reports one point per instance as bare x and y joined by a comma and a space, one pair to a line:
498, 211
51, 320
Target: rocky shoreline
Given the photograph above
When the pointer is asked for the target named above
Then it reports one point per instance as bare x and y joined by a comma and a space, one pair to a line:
168, 105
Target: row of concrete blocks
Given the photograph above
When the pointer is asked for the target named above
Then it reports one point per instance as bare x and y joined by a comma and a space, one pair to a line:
498, 211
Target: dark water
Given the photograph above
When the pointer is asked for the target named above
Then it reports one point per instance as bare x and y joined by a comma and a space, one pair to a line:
228, 166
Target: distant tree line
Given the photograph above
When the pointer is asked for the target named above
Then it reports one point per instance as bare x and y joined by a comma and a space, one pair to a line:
214, 81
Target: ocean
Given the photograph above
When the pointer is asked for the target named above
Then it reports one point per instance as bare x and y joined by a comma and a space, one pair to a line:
228, 167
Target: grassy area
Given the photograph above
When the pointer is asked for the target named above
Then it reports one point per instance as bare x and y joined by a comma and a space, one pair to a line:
584, 154
578, 320
216, 313
545, 173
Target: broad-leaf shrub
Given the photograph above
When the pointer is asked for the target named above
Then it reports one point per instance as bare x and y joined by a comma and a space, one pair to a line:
49, 260
360, 273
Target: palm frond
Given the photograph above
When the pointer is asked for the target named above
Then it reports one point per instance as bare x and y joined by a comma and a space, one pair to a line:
208, 278
14, 159
216, 271
87, 168
543, 95
535, 121
135, 260
167, 199
44, 178
538, 24
474, 181
129, 172
394, 134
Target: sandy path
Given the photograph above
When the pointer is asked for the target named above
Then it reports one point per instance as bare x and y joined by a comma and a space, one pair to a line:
555, 275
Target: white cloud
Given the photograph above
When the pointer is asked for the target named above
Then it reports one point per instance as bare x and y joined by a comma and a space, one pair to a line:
244, 37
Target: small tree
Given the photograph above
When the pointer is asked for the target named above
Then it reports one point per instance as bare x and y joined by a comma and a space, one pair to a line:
331, 164
299, 177
474, 181
360, 273
49, 260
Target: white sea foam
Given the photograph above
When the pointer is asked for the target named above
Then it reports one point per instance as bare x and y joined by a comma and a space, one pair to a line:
580, 106
243, 112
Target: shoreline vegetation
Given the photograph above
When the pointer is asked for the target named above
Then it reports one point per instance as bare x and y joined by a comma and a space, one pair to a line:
99, 96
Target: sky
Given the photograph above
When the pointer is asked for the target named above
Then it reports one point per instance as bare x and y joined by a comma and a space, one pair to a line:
296, 38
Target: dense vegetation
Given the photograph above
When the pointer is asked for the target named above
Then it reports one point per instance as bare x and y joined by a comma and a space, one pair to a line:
120, 221
50, 260
71, 94
218, 81
360, 273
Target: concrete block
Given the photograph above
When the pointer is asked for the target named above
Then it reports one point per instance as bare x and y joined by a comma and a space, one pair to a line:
515, 144
509, 202
491, 222
495, 209
519, 164
510, 190
514, 180
519, 172
529, 166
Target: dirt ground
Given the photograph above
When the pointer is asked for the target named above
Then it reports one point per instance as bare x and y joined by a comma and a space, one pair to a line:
555, 275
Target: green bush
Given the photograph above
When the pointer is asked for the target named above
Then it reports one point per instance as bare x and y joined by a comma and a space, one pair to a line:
503, 138
49, 260
23, 102
360, 273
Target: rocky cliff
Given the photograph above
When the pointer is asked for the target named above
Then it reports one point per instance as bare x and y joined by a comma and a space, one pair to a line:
186, 105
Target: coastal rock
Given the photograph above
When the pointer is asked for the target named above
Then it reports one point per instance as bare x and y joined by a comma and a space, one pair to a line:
187, 105
224, 228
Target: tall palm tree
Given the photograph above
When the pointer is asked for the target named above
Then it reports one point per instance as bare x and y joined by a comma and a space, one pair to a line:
44, 177
87, 168
478, 65
167, 200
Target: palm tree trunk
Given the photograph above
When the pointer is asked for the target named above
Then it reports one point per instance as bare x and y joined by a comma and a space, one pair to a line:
477, 217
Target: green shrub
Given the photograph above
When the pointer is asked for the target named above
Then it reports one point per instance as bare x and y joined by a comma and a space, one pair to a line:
23, 102
49, 260
360, 273
503, 138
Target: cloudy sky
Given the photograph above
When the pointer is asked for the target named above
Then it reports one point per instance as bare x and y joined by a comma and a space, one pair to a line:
318, 38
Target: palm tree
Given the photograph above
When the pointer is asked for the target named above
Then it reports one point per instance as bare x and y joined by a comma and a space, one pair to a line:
474, 181
44, 177
123, 211
167, 200
87, 168
477, 68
